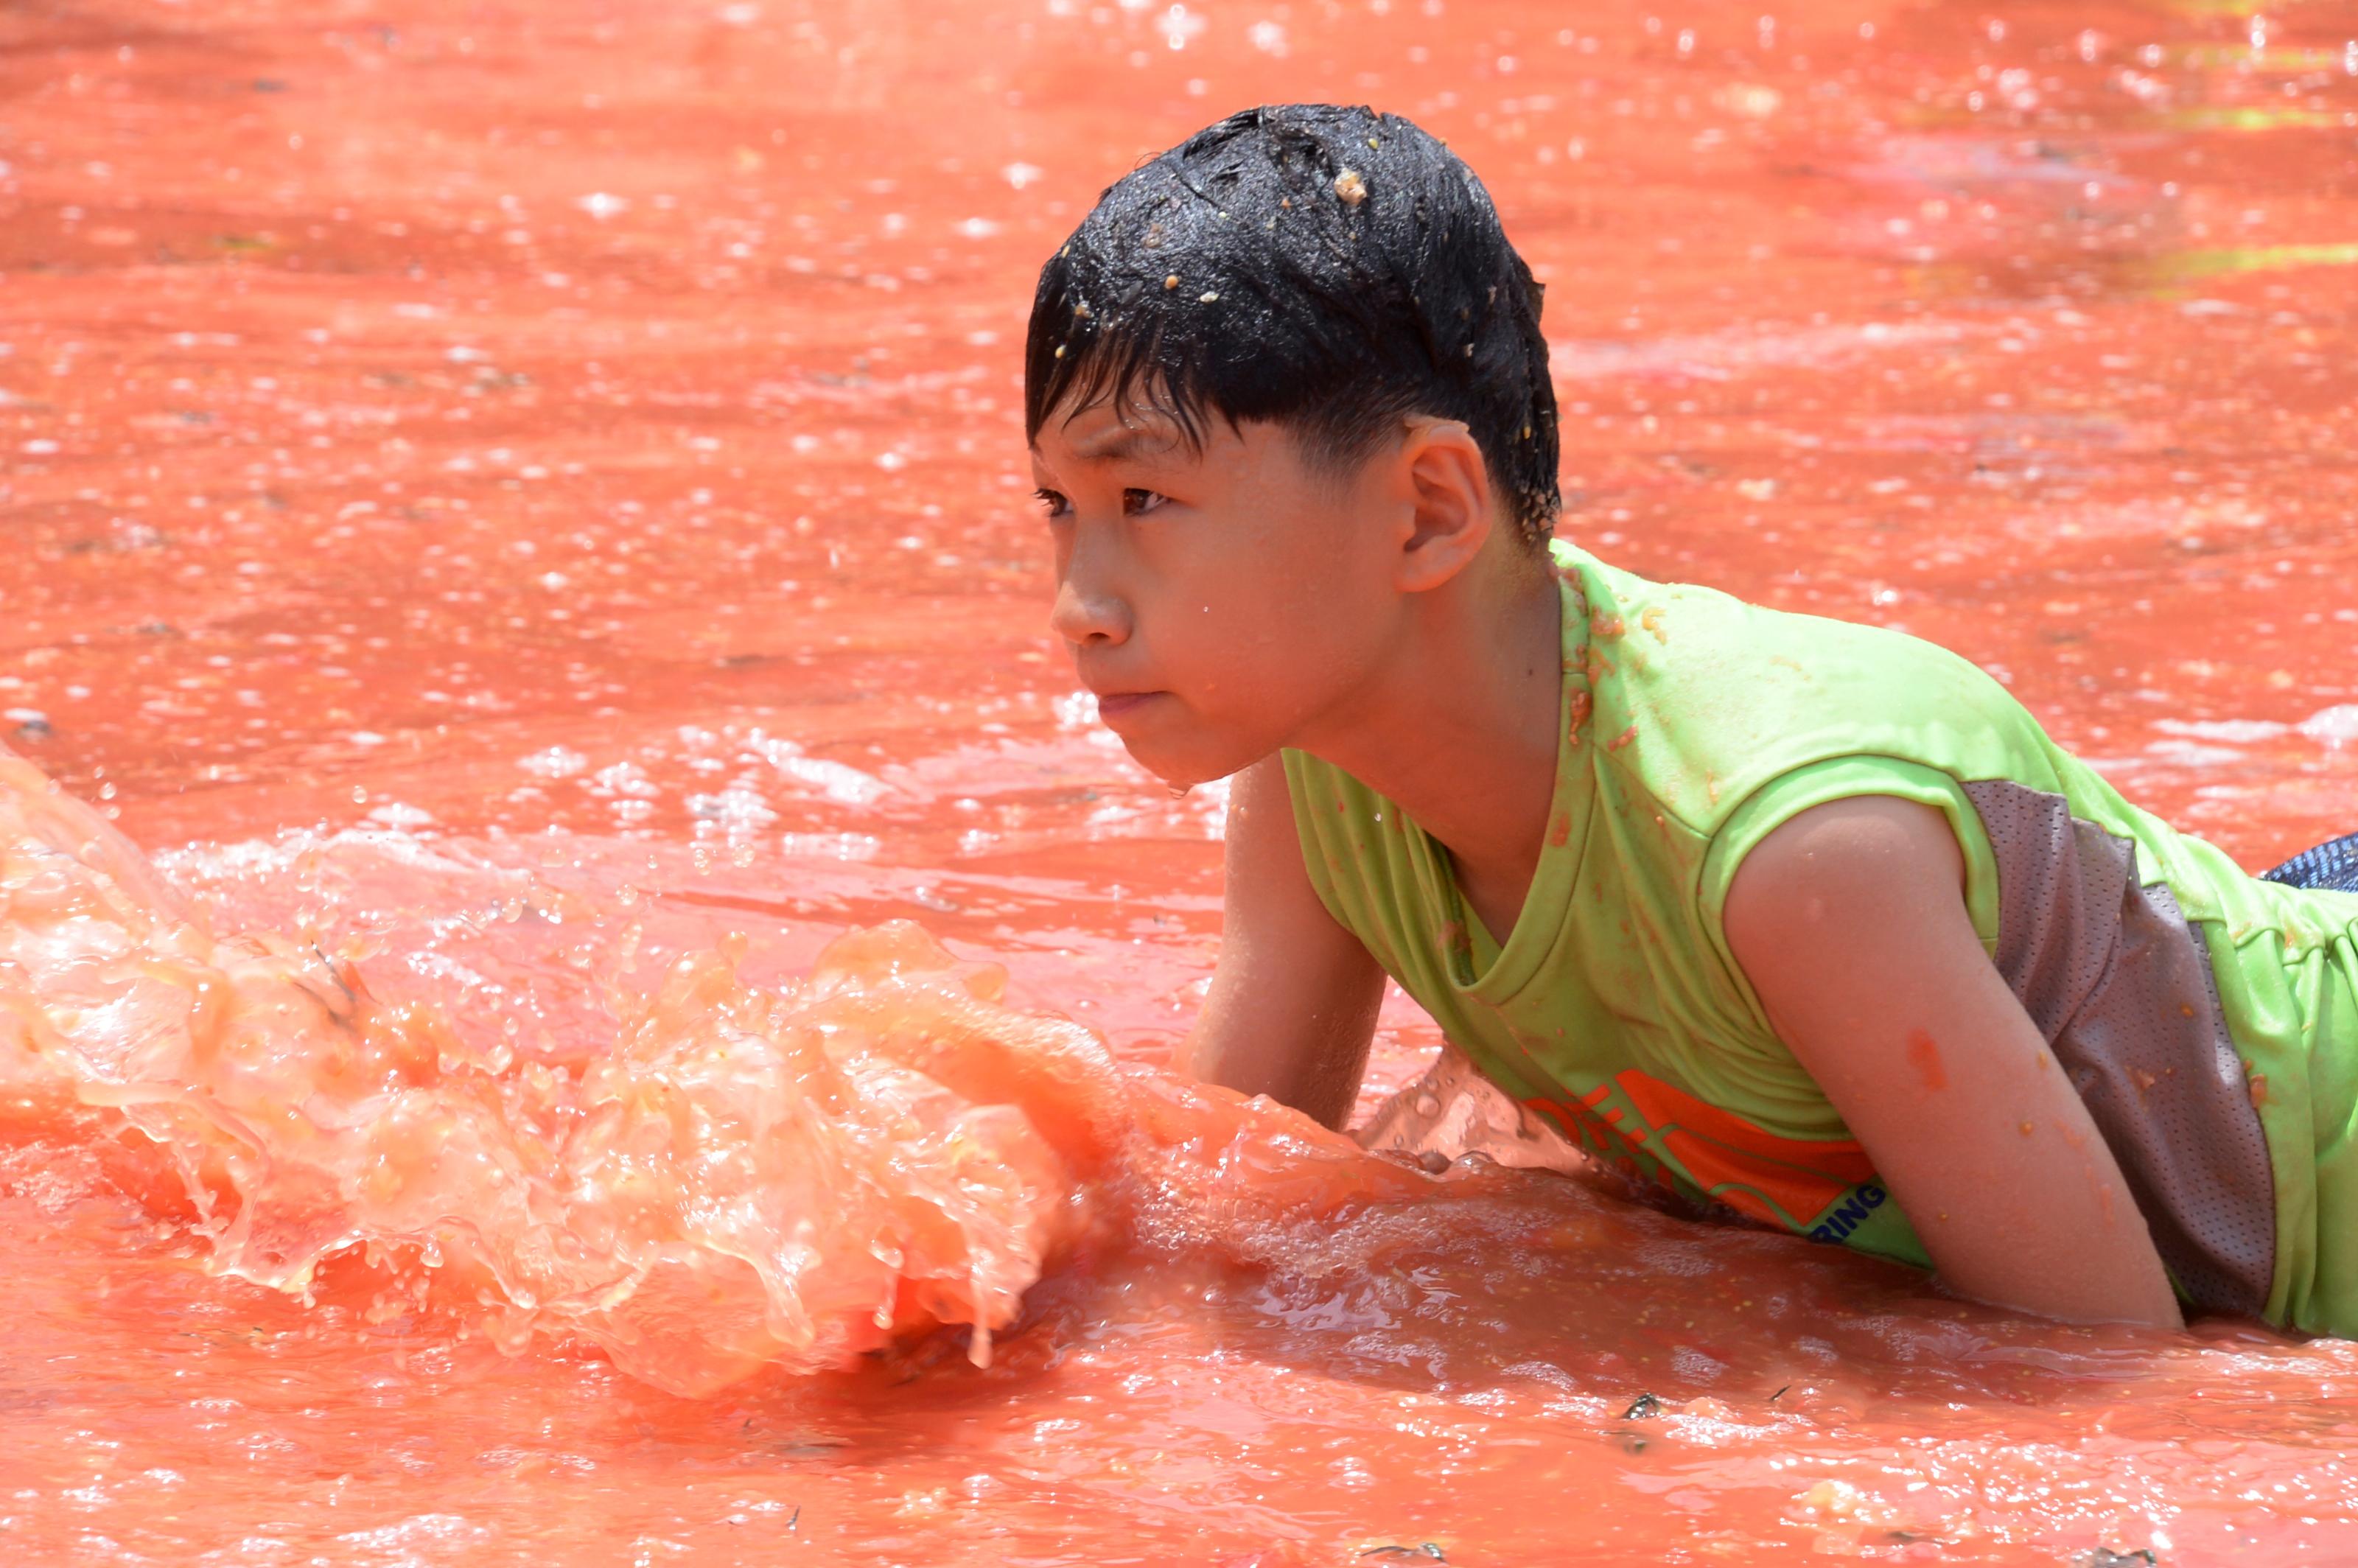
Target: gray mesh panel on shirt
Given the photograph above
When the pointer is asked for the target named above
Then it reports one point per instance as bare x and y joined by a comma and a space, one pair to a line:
2120, 984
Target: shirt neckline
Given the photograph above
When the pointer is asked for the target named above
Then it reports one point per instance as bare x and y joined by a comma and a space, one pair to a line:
1478, 966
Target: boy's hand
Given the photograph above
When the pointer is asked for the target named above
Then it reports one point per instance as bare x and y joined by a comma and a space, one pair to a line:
1850, 922
1293, 999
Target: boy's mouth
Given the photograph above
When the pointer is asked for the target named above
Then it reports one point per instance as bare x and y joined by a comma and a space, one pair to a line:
1112, 705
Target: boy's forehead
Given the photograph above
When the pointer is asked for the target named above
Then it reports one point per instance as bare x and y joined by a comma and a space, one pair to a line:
1103, 431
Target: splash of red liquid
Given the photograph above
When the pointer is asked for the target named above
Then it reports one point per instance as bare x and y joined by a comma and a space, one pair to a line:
749, 1178
1925, 1055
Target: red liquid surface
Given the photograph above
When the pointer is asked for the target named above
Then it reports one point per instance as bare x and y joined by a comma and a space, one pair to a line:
479, 479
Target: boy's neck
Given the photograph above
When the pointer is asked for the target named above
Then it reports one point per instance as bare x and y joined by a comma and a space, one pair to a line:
1458, 729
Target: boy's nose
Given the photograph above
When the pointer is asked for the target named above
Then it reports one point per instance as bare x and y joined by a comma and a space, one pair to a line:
1083, 614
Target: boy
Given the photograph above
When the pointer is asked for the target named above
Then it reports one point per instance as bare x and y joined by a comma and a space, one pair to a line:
1807, 919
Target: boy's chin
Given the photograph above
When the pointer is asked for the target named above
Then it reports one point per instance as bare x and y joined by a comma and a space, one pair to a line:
1180, 764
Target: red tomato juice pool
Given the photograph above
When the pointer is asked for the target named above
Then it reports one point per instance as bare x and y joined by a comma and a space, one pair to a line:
519, 511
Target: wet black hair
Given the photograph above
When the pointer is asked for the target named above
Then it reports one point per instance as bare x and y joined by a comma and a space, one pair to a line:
1328, 269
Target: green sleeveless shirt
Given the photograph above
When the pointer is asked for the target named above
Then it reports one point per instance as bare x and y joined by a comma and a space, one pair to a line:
2209, 1019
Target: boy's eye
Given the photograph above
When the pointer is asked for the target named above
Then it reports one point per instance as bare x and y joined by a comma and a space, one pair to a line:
1055, 504
1136, 502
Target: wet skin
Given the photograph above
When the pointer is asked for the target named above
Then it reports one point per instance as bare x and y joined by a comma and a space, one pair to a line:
1239, 595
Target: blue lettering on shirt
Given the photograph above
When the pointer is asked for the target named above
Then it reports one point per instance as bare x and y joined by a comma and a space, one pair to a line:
1862, 1200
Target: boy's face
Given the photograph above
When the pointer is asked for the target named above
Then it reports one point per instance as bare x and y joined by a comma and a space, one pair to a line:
1223, 602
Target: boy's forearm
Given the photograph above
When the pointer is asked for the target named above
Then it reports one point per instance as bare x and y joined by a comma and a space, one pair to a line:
1292, 1002
1314, 1065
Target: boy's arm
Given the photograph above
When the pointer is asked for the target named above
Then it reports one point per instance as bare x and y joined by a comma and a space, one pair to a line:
1293, 999
1850, 922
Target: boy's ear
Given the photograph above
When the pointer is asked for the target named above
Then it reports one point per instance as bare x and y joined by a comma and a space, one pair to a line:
1447, 487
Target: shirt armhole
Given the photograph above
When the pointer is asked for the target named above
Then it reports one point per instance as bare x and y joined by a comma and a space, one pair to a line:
1789, 794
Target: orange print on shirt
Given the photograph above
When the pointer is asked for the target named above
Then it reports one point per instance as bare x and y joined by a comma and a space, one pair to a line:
1784, 1182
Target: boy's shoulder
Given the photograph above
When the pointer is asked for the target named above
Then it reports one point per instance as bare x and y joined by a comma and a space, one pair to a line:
1703, 696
